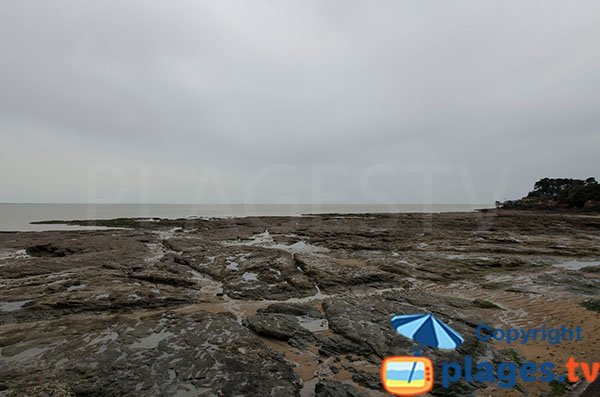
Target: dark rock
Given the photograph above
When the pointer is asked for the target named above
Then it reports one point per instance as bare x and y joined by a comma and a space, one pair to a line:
254, 273
332, 276
485, 304
592, 304
279, 326
161, 277
48, 250
458, 389
204, 354
338, 344
592, 390
359, 325
332, 388
294, 309
368, 380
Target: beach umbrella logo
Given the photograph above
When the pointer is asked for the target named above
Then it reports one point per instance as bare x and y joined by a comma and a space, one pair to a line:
413, 375
427, 330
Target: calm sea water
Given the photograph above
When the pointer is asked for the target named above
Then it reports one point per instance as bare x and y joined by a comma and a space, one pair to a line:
17, 217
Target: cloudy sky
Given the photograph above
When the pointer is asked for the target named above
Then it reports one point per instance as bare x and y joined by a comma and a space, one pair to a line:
295, 100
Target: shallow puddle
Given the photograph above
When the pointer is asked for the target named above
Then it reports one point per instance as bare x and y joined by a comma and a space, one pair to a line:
248, 276
313, 324
76, 287
151, 341
265, 240
576, 265
13, 254
12, 306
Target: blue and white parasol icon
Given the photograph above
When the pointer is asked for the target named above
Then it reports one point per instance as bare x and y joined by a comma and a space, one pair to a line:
427, 330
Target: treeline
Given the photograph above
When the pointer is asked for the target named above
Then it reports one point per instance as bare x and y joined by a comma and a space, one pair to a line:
553, 193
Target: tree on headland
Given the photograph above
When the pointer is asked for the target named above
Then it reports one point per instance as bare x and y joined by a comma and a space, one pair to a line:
551, 193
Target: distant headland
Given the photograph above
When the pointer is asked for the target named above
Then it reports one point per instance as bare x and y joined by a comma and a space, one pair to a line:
558, 194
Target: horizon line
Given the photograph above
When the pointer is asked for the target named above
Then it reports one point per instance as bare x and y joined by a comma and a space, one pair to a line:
243, 204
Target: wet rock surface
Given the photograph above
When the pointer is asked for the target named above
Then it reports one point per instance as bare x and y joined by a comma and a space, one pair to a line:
280, 326
294, 309
161, 354
279, 306
329, 388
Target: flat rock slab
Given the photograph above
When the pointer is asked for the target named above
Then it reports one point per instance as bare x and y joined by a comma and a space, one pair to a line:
202, 354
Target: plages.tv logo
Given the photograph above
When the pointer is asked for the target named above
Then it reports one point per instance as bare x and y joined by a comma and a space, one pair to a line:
413, 375
407, 375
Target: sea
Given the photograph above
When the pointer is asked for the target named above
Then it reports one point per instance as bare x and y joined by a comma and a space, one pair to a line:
18, 217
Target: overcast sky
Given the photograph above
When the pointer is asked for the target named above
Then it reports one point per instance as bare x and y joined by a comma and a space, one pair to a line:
295, 101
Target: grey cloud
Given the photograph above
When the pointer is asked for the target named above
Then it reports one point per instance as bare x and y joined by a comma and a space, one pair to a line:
172, 88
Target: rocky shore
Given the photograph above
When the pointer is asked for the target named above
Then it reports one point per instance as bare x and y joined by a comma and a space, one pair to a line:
285, 306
